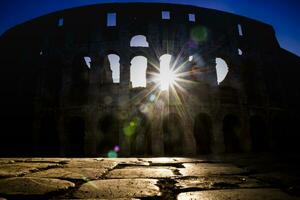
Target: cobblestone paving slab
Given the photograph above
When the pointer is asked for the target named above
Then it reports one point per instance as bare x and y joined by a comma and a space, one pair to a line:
237, 194
6, 161
118, 188
114, 199
141, 172
47, 160
203, 169
168, 160
17, 169
278, 178
71, 173
219, 182
126, 161
208, 177
91, 163
32, 186
32, 160
132, 160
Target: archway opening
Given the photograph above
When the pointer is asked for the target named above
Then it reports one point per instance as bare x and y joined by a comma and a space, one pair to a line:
140, 138
280, 138
75, 132
80, 70
167, 76
87, 61
222, 69
114, 62
49, 140
231, 131
258, 133
203, 133
80, 81
108, 128
138, 70
139, 41
173, 135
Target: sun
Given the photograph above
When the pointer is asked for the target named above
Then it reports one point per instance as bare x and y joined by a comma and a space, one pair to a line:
167, 79
169, 76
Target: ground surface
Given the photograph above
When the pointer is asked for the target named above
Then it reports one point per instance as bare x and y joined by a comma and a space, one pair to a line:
240, 177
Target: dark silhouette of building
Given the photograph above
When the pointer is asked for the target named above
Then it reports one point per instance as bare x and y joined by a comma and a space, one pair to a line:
60, 96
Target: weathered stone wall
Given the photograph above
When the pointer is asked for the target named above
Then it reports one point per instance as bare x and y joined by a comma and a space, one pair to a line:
54, 104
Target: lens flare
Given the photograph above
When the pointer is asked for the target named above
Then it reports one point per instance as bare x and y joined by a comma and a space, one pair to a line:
112, 154
167, 76
152, 97
199, 34
167, 79
130, 128
117, 148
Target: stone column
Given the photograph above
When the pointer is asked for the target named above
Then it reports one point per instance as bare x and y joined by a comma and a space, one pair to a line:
218, 145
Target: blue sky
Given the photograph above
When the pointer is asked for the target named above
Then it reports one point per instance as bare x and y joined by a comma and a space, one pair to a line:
283, 15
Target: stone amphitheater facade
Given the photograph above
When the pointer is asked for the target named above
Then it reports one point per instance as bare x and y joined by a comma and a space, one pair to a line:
60, 99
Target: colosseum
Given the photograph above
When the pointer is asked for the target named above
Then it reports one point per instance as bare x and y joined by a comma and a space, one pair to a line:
146, 79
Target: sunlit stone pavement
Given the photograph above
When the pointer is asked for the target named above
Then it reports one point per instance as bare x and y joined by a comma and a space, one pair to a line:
240, 177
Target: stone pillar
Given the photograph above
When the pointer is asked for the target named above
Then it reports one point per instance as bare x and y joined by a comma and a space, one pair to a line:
91, 138
218, 145
61, 129
189, 143
157, 138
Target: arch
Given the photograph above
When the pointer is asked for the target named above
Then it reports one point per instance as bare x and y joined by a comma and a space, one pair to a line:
138, 70
52, 79
79, 70
221, 69
106, 72
280, 139
165, 69
80, 81
231, 129
139, 41
258, 133
140, 139
87, 61
203, 133
114, 62
49, 138
108, 128
75, 134
173, 135
240, 52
